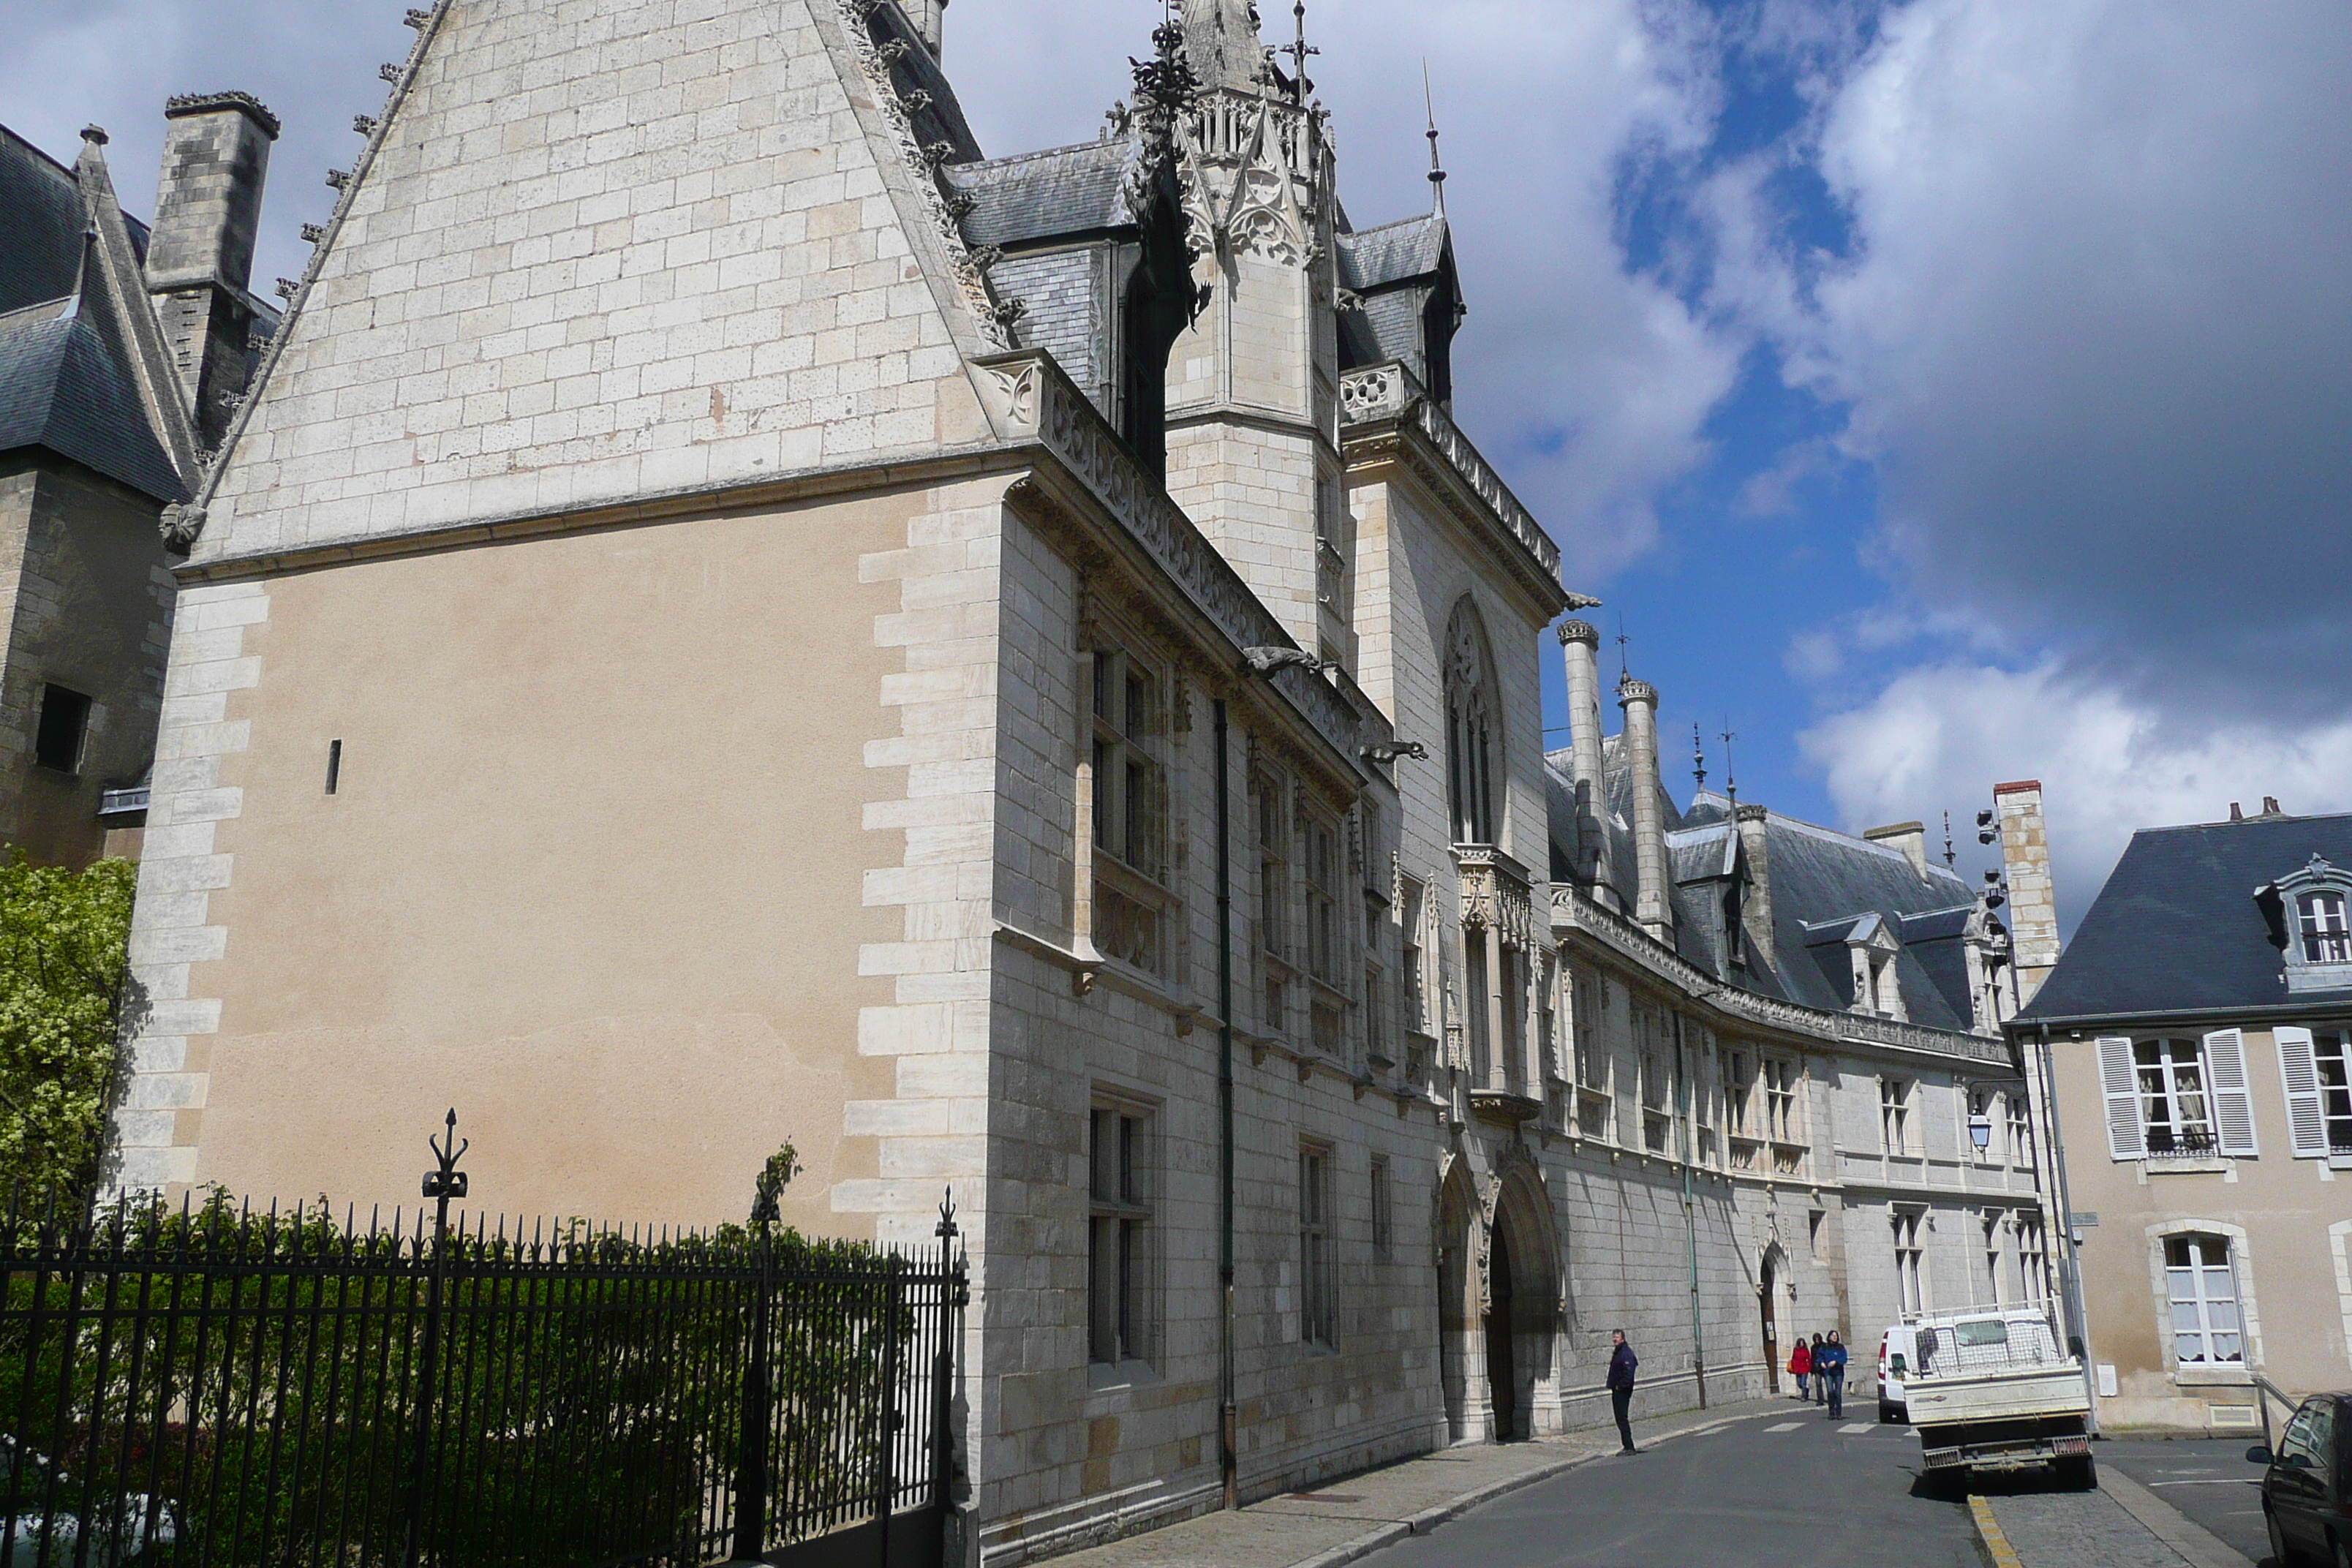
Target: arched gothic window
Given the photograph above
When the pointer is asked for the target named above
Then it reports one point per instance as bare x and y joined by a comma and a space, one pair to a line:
1473, 737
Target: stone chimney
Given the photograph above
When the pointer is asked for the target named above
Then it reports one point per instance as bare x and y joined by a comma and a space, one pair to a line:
2033, 897
200, 256
1756, 908
1651, 905
1910, 837
930, 20
1579, 645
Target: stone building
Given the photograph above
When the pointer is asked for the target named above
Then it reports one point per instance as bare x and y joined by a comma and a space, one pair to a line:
2197, 1030
734, 616
122, 350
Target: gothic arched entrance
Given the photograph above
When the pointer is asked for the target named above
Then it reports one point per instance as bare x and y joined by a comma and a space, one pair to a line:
1771, 1329
1460, 1352
1502, 1377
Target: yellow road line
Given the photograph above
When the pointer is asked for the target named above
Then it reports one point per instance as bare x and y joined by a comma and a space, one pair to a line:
2003, 1554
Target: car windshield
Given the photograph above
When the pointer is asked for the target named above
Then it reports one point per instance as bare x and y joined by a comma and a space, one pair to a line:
1988, 1331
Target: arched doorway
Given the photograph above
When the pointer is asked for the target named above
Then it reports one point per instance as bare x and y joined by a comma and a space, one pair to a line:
1502, 1378
1772, 1329
1461, 1349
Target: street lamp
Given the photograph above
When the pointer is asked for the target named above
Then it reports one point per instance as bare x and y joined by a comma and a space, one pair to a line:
1981, 1129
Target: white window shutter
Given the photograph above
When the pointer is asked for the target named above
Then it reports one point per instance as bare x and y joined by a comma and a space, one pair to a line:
2306, 1122
2127, 1135
2233, 1102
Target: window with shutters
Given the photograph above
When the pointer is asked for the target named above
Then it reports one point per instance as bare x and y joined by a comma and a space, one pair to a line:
2202, 1287
2178, 1103
2315, 1069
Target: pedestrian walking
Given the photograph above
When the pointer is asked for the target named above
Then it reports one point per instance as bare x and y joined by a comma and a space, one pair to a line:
1801, 1363
1821, 1383
1622, 1362
1829, 1368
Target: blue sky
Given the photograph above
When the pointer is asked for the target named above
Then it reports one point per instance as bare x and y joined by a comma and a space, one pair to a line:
1941, 391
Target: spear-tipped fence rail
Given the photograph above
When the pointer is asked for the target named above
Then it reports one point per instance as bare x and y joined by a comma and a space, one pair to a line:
200, 1386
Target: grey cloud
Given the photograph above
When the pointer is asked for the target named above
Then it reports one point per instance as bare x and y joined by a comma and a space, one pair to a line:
2097, 336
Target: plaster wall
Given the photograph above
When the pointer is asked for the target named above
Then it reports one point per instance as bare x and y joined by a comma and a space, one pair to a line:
608, 809
2278, 1212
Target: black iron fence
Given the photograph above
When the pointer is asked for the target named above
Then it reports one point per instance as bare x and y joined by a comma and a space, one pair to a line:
200, 1386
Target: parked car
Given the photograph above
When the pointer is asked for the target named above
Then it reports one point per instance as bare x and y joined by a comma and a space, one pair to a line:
2308, 1488
117, 1537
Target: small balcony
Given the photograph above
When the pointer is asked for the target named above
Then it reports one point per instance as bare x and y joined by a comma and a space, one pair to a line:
1506, 1107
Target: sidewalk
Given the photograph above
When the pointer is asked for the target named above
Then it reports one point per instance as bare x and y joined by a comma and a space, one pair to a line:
1343, 1520
2121, 1525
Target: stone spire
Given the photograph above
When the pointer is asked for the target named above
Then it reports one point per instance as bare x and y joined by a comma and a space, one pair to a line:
1221, 40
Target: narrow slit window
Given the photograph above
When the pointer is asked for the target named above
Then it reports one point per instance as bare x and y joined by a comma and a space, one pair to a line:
334, 765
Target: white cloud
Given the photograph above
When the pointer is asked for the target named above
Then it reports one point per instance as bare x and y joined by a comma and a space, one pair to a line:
1941, 736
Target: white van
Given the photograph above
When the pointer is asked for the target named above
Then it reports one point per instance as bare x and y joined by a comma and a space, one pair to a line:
1899, 1359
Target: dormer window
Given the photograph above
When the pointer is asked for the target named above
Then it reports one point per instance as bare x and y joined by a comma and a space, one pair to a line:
2309, 911
2325, 939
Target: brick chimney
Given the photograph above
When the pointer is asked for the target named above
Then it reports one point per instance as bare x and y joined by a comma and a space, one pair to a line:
1756, 908
2033, 897
1910, 837
200, 258
1651, 905
1579, 645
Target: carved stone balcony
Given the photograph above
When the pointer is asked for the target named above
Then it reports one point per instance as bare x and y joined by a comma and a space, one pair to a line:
1496, 894
1506, 1107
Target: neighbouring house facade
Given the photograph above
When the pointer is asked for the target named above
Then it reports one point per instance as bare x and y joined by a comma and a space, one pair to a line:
733, 617
2198, 1029
122, 351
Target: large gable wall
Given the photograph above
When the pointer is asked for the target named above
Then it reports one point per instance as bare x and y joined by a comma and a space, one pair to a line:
605, 251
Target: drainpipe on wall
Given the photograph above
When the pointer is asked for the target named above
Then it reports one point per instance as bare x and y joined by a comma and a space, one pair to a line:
1690, 1211
1228, 1415
2069, 1270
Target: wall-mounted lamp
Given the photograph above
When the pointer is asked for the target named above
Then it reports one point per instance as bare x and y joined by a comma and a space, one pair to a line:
1980, 1130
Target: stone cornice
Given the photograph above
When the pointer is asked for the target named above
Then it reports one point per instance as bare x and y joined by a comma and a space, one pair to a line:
1572, 912
1384, 407
1029, 399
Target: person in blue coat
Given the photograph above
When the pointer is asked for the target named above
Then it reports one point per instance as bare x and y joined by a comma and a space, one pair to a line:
1622, 1362
1829, 1369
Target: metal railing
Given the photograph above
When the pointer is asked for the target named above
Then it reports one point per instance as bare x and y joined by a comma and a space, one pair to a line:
200, 1386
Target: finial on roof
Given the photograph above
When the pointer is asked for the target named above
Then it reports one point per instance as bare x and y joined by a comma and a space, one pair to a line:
1299, 53
95, 136
1730, 780
1951, 856
1698, 759
1436, 164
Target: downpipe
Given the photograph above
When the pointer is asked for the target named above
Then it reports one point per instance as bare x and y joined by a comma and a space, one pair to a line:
1690, 1213
1228, 1412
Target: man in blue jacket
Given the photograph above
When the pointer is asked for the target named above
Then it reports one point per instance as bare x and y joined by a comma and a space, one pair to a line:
1621, 1364
1829, 1366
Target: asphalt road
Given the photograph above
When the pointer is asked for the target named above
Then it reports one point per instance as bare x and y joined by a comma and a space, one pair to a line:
1819, 1492
2208, 1479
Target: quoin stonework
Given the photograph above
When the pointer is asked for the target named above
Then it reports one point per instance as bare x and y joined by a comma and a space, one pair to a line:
736, 616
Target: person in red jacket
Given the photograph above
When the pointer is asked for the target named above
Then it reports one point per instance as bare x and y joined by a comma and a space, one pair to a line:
1800, 1363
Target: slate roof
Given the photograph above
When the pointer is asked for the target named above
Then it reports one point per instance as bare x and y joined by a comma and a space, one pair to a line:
65, 386
1058, 194
2176, 928
66, 377
1825, 885
1393, 253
